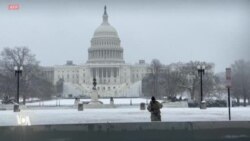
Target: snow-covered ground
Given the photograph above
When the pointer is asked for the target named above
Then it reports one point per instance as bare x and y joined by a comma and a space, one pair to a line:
132, 114
68, 102
105, 101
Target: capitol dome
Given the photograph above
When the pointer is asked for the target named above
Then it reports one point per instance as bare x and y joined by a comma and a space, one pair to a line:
105, 44
105, 29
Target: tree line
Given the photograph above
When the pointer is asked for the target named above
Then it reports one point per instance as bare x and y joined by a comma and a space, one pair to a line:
32, 80
163, 81
178, 78
241, 80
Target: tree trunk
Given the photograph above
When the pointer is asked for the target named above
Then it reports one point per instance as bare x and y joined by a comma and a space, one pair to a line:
192, 94
193, 91
24, 100
245, 101
238, 101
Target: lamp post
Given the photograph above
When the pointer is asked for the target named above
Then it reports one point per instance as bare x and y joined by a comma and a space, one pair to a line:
18, 72
228, 85
201, 72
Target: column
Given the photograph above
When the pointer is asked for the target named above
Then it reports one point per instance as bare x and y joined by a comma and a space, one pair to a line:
100, 74
104, 73
107, 72
111, 75
115, 74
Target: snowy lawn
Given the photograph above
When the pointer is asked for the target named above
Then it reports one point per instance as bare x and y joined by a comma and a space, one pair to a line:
105, 101
72, 116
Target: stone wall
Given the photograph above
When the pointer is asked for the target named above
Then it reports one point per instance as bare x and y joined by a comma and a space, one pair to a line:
156, 131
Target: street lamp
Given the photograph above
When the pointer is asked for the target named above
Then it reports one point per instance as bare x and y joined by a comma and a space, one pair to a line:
18, 72
201, 72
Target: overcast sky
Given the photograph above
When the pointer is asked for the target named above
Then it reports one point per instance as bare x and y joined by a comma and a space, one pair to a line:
171, 30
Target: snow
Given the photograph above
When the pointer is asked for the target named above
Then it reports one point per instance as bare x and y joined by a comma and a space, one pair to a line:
68, 102
129, 114
105, 101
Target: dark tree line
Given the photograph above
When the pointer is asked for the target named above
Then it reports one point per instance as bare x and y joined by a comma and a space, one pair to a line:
241, 81
173, 79
32, 81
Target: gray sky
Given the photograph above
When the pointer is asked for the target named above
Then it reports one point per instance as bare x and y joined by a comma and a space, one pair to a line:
171, 30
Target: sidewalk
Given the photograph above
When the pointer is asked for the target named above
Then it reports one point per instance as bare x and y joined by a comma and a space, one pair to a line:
133, 114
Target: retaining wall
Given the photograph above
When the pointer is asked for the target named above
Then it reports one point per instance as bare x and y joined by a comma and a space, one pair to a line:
154, 131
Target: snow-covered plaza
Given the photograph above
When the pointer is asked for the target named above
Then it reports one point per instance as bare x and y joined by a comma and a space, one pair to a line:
60, 115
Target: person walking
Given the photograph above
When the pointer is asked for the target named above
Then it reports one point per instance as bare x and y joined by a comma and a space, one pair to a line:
154, 108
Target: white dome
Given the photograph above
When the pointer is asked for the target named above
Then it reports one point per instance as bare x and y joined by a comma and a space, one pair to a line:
105, 44
105, 30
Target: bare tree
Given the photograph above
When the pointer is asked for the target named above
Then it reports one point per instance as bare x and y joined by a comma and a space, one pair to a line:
31, 79
148, 85
173, 79
173, 82
241, 80
156, 67
193, 85
59, 87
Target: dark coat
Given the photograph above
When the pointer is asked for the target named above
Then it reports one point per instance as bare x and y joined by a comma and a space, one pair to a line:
154, 108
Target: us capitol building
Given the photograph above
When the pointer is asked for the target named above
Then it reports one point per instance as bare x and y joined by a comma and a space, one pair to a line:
105, 62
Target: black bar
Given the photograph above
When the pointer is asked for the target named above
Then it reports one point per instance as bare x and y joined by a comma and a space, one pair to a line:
229, 108
17, 98
201, 88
